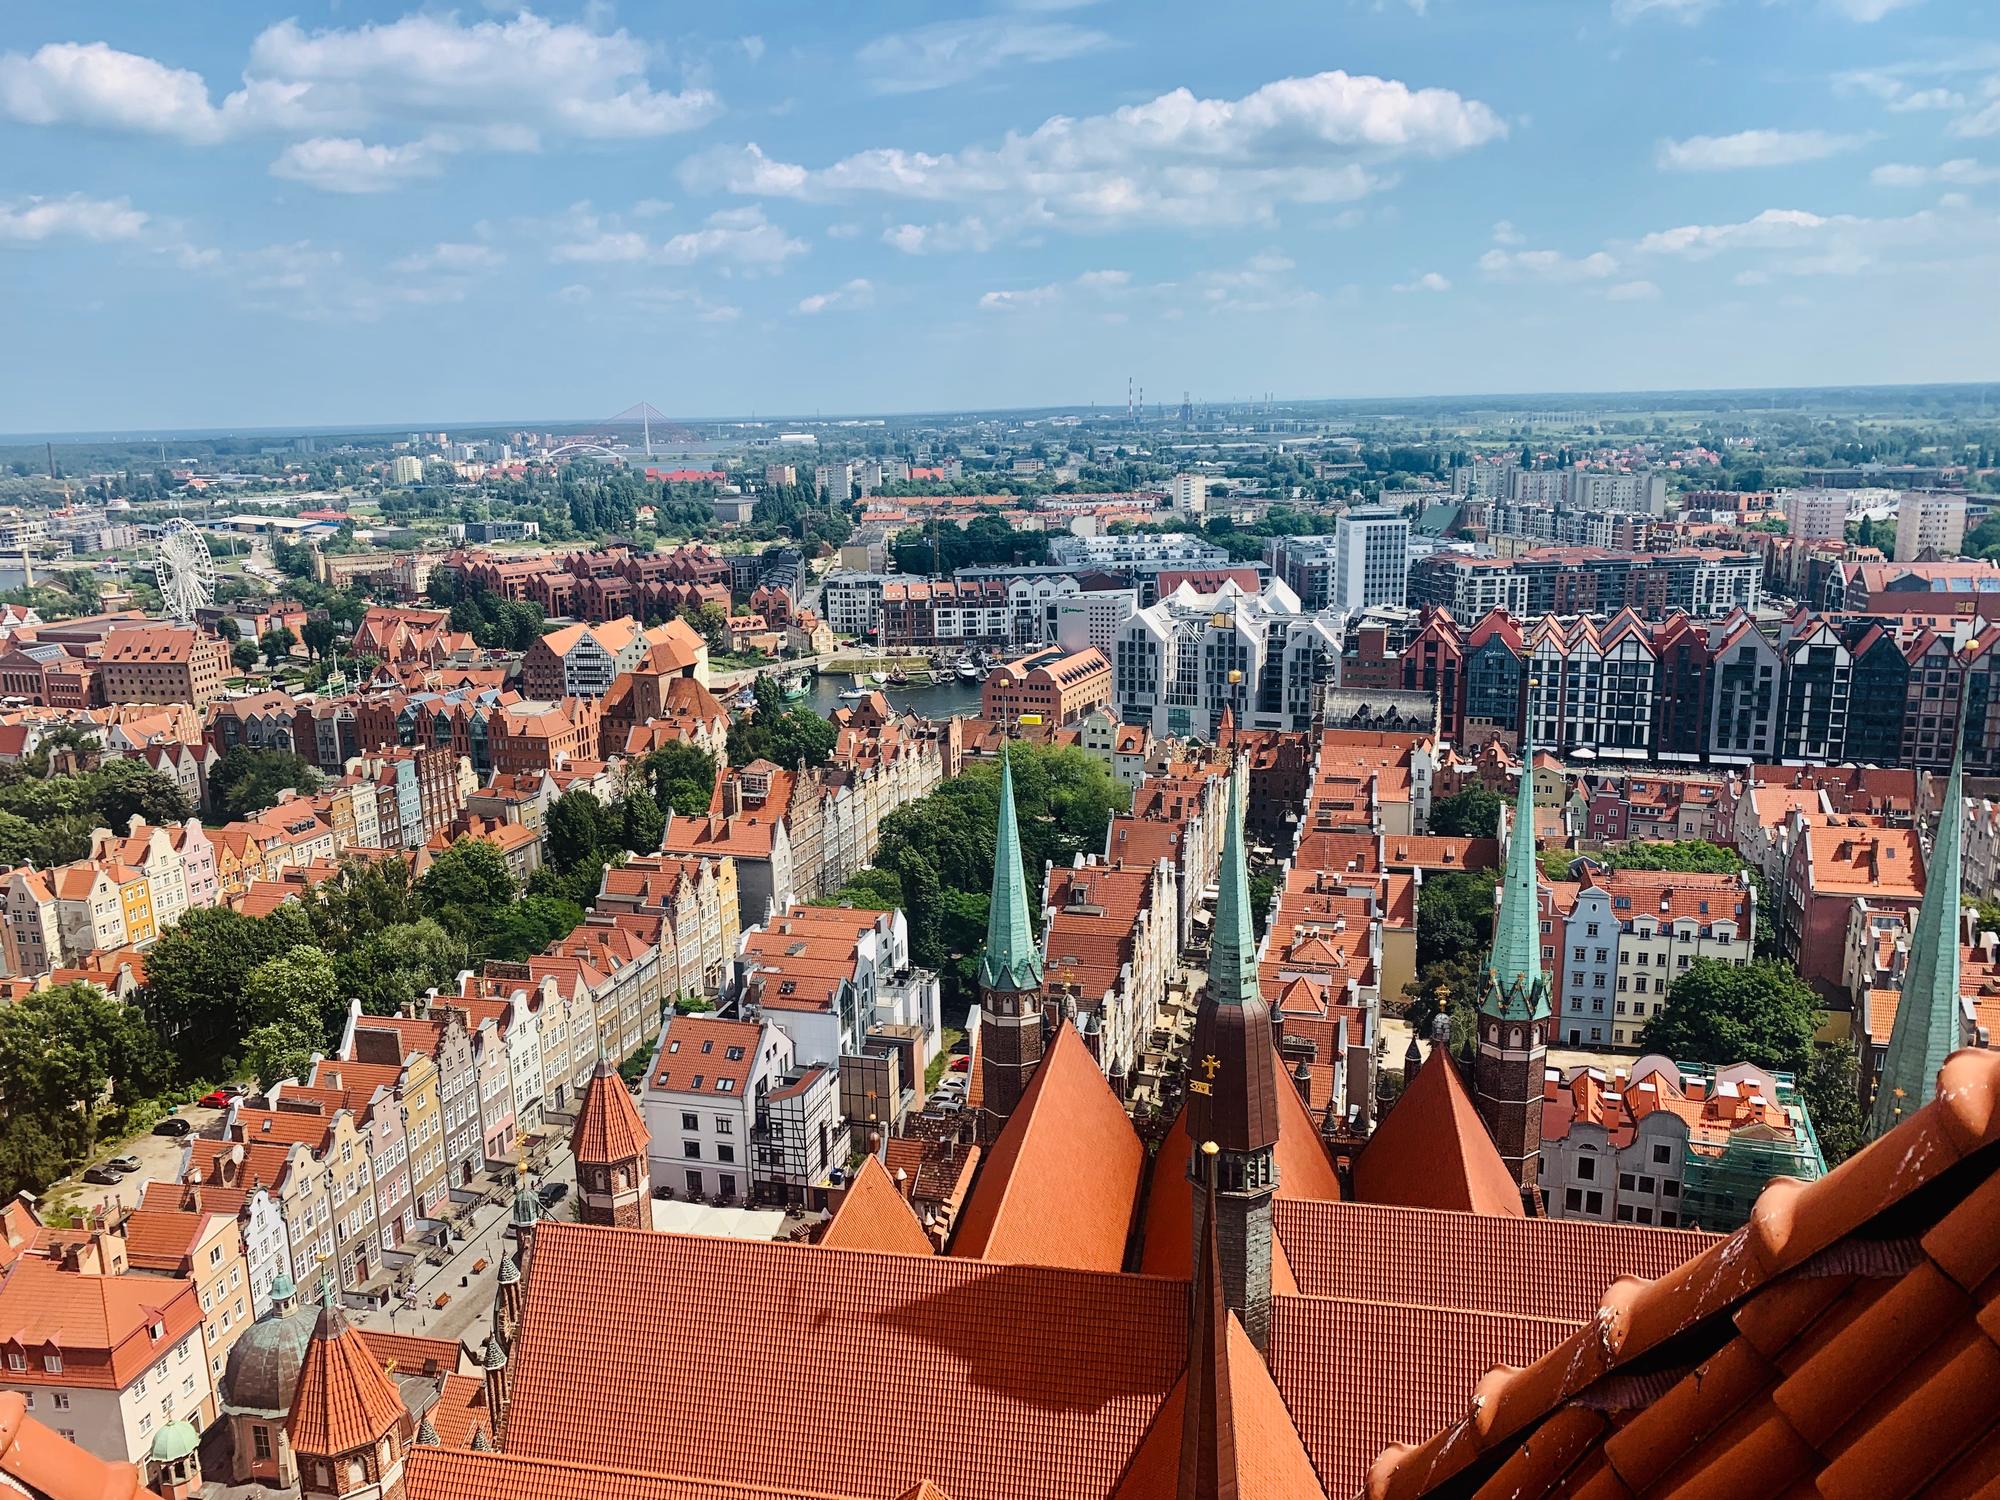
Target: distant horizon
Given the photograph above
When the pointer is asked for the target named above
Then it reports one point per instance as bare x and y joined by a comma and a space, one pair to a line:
1454, 400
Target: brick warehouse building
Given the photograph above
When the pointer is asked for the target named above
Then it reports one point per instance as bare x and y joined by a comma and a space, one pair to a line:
1060, 687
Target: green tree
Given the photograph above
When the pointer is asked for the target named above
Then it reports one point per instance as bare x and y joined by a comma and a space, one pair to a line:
712, 620
1452, 984
394, 966
321, 636
276, 644
292, 1001
1471, 814
642, 824
465, 889
1832, 1092
228, 629
1684, 856
195, 978
1455, 915
246, 781
1718, 1013
529, 925
244, 655
576, 828
682, 777
361, 898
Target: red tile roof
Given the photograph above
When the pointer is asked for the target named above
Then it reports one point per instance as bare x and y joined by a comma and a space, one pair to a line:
1059, 1186
449, 1474
1839, 1344
40, 1461
344, 1399
1432, 1150
998, 1382
608, 1128
699, 1047
874, 1216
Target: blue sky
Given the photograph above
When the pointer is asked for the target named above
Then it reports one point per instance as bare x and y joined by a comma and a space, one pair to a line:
361, 212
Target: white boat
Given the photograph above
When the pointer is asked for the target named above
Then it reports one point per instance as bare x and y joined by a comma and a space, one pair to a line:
969, 672
854, 694
878, 678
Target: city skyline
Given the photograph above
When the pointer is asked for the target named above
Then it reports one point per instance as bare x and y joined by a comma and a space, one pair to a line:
370, 213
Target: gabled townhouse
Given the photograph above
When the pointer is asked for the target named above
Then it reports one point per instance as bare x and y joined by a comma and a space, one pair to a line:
202, 1246
1110, 946
1629, 934
441, 1037
696, 900
284, 1179
259, 1226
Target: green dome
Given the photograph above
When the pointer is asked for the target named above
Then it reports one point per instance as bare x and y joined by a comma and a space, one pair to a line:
174, 1442
282, 1287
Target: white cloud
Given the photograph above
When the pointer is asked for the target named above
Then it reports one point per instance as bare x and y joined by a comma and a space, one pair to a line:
1922, 99
1795, 242
456, 258
968, 233
1504, 233
753, 47
342, 164
574, 295
1962, 171
1176, 159
508, 84
1104, 280
1013, 301
1983, 122
736, 237
1632, 291
945, 54
1430, 281
1752, 148
1774, 226
1547, 265
859, 292
1685, 11
35, 221
1867, 10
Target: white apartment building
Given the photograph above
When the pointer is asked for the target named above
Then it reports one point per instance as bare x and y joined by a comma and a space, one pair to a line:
1929, 521
1189, 493
406, 470
853, 601
1177, 664
835, 482
1816, 515
1092, 618
703, 1091
1371, 558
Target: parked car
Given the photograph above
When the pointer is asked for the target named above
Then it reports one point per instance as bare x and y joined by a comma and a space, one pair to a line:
961, 1063
123, 1164
104, 1176
552, 1193
174, 1126
215, 1099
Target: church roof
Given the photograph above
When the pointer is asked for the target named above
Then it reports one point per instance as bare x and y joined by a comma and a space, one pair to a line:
1011, 960
1304, 1172
874, 1216
344, 1399
448, 1474
1432, 1150
1059, 1186
1926, 1028
996, 1382
1840, 1343
1223, 1433
608, 1127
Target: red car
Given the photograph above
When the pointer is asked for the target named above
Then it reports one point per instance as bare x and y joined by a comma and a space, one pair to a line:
961, 1063
215, 1099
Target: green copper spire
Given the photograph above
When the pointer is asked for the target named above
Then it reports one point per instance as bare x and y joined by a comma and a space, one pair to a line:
1516, 987
1926, 1030
1232, 952
1011, 960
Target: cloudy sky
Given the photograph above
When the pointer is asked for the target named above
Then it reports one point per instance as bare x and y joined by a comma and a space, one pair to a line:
367, 213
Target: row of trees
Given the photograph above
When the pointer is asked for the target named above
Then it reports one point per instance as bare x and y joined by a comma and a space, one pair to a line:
246, 781
47, 820
981, 542
492, 622
936, 855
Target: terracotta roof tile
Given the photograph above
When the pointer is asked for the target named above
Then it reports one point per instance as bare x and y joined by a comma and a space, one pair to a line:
874, 1216
1432, 1150
458, 1412
450, 1474
40, 1461
344, 1399
1060, 1184
608, 1127
999, 1382
1829, 1347
411, 1354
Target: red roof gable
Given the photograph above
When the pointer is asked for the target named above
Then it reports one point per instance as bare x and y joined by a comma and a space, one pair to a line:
1432, 1150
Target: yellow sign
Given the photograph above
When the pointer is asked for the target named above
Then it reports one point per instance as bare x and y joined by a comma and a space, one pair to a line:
1198, 1087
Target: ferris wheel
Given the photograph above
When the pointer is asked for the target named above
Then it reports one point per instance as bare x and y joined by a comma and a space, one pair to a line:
183, 569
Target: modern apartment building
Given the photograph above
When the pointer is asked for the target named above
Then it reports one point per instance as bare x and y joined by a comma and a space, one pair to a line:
1929, 521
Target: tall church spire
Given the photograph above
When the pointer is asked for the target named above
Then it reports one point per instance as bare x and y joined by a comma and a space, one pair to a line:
1927, 1025
1514, 1015
1516, 985
1010, 977
1232, 1096
1011, 960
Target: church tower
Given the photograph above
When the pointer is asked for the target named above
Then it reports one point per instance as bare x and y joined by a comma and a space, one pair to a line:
1926, 1029
348, 1426
1514, 1014
609, 1142
1010, 978
1232, 1098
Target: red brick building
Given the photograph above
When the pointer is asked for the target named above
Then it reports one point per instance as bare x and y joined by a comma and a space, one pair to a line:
1060, 687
